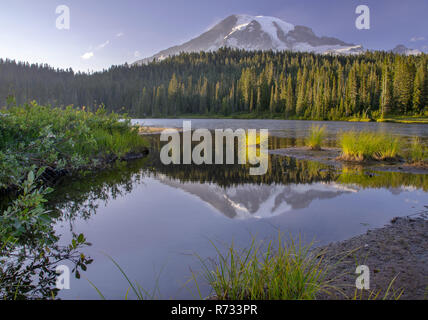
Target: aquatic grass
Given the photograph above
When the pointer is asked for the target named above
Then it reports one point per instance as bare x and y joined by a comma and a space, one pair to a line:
118, 143
362, 146
289, 272
418, 152
293, 271
315, 138
140, 293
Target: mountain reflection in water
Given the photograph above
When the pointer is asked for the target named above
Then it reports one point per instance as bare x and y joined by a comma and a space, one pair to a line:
147, 214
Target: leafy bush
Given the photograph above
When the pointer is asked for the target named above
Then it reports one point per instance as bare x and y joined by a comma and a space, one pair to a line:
29, 253
26, 219
61, 139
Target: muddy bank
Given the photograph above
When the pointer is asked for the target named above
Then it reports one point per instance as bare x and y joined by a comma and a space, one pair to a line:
330, 156
398, 250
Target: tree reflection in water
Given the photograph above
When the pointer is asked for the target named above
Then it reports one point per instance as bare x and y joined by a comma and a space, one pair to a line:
79, 198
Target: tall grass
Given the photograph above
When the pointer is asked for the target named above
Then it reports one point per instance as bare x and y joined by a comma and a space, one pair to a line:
361, 146
390, 293
315, 138
418, 152
118, 143
139, 292
289, 272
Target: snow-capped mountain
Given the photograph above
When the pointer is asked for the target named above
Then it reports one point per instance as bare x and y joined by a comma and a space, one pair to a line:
401, 49
258, 201
259, 33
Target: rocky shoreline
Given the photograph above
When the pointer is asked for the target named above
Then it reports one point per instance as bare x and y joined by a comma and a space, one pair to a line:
397, 257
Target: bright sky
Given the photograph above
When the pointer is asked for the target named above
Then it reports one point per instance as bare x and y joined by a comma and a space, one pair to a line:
107, 32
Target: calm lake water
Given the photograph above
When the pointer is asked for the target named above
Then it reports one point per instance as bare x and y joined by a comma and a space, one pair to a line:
152, 219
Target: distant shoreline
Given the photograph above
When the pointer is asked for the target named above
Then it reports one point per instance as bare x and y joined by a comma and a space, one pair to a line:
392, 119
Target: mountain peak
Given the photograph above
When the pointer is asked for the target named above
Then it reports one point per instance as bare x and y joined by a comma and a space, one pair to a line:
402, 49
242, 31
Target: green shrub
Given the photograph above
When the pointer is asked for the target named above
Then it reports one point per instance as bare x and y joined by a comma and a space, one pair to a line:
61, 139
29, 252
26, 219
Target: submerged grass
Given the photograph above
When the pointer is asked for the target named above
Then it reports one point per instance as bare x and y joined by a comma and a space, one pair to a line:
315, 138
289, 272
361, 146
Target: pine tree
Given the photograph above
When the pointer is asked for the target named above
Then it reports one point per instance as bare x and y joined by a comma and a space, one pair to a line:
386, 99
289, 105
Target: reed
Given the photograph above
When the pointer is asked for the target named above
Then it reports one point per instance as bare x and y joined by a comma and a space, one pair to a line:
418, 152
362, 146
288, 272
315, 138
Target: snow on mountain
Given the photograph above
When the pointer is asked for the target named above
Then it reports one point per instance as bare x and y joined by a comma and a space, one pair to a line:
401, 49
259, 33
257, 202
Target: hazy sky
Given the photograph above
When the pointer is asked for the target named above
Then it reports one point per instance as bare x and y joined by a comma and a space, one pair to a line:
110, 32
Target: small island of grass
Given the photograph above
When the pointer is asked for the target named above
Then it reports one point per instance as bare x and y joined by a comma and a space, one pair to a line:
364, 146
315, 138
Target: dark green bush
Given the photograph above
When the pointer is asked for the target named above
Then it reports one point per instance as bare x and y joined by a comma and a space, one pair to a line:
61, 139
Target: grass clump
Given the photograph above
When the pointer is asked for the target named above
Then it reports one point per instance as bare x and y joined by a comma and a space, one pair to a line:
289, 272
362, 146
418, 152
315, 138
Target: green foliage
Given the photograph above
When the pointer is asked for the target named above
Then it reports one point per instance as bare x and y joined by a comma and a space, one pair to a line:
361, 146
61, 140
405, 119
28, 250
38, 142
26, 219
315, 138
379, 179
289, 272
234, 82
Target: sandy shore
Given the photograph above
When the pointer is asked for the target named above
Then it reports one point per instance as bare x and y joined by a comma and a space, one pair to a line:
144, 130
399, 250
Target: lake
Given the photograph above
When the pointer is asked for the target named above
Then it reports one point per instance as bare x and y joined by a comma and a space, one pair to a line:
154, 220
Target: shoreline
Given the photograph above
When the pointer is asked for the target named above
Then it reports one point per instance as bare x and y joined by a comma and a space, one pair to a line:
398, 119
329, 156
396, 254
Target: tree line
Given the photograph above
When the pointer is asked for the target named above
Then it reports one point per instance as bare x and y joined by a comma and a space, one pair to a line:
259, 83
